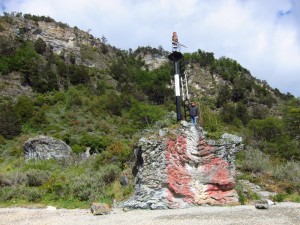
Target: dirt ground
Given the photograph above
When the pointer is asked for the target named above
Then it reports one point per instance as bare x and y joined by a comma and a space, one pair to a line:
281, 213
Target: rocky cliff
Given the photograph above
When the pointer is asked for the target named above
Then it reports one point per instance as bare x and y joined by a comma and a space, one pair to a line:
64, 40
183, 168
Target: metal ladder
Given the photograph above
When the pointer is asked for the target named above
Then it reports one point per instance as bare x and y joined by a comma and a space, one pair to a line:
185, 95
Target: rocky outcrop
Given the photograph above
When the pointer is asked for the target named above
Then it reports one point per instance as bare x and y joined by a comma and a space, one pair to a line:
44, 147
63, 39
155, 61
183, 169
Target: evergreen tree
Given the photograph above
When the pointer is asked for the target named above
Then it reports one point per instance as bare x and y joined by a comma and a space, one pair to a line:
10, 124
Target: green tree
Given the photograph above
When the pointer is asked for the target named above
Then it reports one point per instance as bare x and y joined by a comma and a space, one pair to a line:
267, 129
144, 115
96, 143
24, 108
242, 113
10, 124
228, 113
292, 121
224, 95
40, 46
208, 119
79, 75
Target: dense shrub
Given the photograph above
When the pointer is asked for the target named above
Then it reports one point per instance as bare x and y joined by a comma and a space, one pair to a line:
90, 185
2, 140
40, 46
117, 152
39, 118
24, 108
36, 178
79, 75
21, 193
77, 148
145, 115
73, 98
96, 143
209, 120
255, 161
10, 124
268, 129
289, 171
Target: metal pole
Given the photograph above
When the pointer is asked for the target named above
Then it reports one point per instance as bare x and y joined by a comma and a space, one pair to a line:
177, 91
175, 57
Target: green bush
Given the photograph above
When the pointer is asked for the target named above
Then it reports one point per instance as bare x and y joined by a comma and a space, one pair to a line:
4, 65
96, 143
4, 181
10, 124
16, 179
8, 193
36, 178
109, 173
59, 96
289, 171
39, 118
34, 194
279, 197
89, 186
40, 46
21, 193
209, 120
58, 186
268, 129
73, 99
255, 161
2, 140
145, 115
77, 149
24, 108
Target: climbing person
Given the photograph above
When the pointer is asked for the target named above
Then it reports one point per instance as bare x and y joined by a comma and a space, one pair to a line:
193, 113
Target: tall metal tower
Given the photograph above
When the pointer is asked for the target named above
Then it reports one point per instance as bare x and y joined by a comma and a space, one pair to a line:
176, 56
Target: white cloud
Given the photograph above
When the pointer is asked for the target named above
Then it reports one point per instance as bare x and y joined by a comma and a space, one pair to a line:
263, 36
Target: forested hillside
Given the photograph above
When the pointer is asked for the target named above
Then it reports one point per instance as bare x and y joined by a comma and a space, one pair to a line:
63, 82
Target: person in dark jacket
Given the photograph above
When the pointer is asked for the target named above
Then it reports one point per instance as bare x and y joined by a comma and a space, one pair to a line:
193, 113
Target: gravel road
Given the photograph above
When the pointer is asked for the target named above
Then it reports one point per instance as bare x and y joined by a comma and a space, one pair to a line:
282, 213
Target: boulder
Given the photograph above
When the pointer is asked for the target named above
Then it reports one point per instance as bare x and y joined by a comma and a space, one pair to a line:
100, 208
263, 204
184, 169
44, 147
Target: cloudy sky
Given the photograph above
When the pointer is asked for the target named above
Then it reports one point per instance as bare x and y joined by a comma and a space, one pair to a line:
262, 35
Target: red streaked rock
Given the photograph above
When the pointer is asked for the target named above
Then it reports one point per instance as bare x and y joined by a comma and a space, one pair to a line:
192, 171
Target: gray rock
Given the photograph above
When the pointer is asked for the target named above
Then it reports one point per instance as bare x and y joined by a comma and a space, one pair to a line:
261, 206
123, 181
44, 147
232, 138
